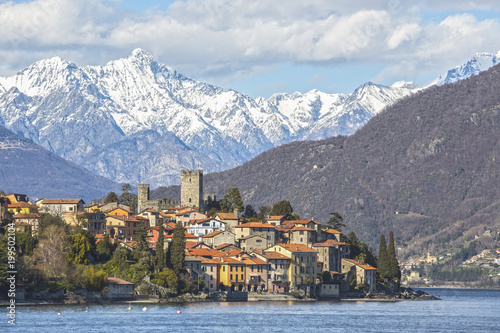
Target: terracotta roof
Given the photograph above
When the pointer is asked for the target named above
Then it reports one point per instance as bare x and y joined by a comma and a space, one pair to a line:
254, 261
256, 225
204, 252
213, 234
61, 201
232, 253
21, 204
209, 261
302, 229
329, 243
227, 216
27, 216
364, 266
276, 217
231, 261
300, 222
297, 248
220, 247
331, 231
113, 280
188, 236
273, 255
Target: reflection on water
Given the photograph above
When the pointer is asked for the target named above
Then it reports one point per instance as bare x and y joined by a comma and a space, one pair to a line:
459, 311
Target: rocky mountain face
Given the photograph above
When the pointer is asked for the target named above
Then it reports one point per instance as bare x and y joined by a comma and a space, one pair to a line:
135, 120
427, 168
30, 169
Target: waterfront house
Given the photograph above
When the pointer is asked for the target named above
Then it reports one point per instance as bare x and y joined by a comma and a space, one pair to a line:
278, 266
256, 274
232, 273
330, 252
303, 264
365, 274
118, 288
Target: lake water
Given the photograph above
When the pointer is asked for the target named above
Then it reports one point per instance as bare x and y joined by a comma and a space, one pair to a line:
460, 310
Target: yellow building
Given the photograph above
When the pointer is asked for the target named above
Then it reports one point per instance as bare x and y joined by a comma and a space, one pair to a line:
22, 208
232, 273
303, 267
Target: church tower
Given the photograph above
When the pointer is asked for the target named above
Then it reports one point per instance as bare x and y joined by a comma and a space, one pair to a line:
192, 188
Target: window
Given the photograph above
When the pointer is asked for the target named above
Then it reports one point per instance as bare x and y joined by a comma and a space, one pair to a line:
301, 259
189, 200
251, 268
223, 268
211, 268
70, 208
236, 277
242, 277
230, 276
231, 268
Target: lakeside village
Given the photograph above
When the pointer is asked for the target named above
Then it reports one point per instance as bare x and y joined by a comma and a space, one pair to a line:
196, 249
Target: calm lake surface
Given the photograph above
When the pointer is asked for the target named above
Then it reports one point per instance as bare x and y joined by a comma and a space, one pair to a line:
460, 310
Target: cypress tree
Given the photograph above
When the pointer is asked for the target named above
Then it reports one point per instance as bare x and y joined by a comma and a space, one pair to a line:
383, 259
393, 271
160, 251
177, 248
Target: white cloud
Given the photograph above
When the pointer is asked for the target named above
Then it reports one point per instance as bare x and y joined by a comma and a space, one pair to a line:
222, 40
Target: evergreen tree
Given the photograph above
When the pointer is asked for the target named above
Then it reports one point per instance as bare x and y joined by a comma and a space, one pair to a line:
142, 238
250, 212
160, 251
282, 208
383, 259
232, 200
177, 248
335, 221
105, 249
263, 212
111, 197
393, 270
25, 243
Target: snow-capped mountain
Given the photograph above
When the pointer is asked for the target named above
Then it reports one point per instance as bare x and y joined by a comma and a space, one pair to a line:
135, 120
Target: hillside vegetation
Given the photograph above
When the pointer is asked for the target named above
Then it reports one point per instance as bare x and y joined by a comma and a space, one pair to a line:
427, 168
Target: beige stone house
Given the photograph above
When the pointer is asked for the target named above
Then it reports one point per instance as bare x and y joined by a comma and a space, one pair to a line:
254, 242
278, 266
256, 274
303, 267
331, 252
230, 219
264, 230
219, 238
365, 274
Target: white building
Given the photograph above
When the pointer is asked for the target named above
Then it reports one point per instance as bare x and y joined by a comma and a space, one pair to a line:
204, 227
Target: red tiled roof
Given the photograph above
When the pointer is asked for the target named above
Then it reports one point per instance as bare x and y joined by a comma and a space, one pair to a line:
331, 231
256, 225
220, 247
213, 234
231, 261
302, 229
227, 216
114, 280
204, 252
61, 201
297, 248
329, 243
364, 266
273, 255
254, 261
275, 218
188, 236
21, 204
27, 216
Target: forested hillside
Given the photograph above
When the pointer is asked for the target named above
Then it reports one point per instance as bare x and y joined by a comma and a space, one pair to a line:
427, 167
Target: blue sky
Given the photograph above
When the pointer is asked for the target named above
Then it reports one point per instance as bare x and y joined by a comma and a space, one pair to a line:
258, 47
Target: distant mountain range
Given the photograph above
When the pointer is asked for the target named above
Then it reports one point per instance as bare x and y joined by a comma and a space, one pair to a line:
30, 169
135, 120
427, 167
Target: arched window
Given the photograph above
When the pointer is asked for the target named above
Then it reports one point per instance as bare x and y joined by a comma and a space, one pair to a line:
189, 200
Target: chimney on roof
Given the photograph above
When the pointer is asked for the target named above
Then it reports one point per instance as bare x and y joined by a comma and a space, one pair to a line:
236, 212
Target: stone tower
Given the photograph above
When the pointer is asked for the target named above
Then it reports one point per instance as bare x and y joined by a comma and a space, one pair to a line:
142, 197
192, 188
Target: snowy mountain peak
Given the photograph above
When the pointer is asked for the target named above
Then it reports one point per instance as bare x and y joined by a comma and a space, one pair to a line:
167, 121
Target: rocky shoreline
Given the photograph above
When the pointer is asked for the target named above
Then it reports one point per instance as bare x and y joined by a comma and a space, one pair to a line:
70, 298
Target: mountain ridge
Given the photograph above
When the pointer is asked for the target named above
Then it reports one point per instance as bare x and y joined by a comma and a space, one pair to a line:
81, 112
